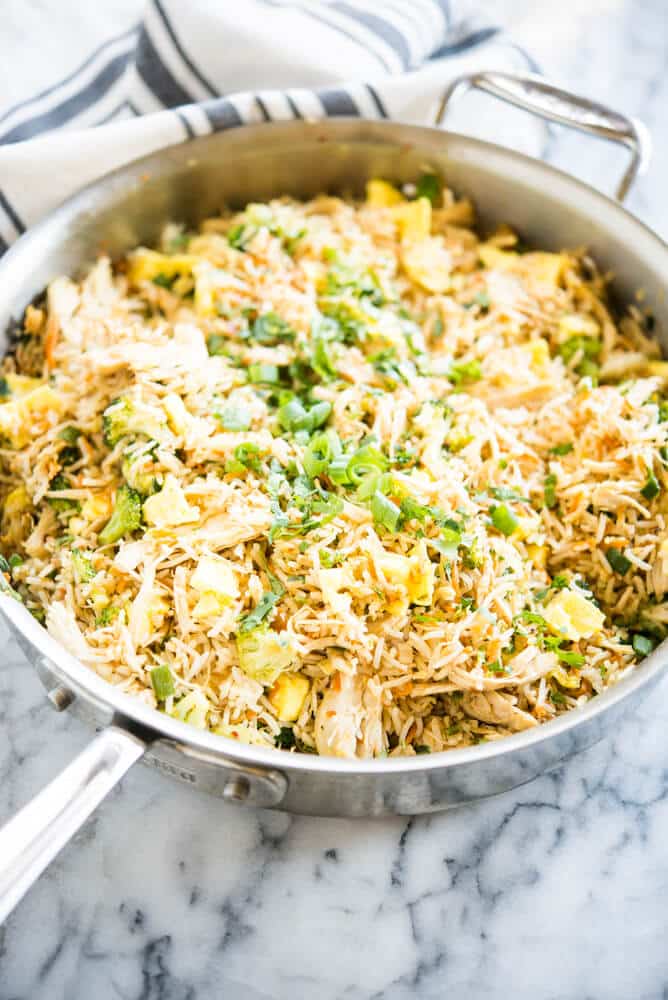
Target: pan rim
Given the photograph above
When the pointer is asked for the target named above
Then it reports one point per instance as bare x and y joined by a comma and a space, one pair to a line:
222, 749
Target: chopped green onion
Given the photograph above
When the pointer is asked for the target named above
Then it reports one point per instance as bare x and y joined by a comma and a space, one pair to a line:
503, 519
269, 329
365, 460
317, 456
319, 414
254, 618
263, 374
292, 415
338, 470
286, 738
163, 682
163, 281
422, 748
216, 344
482, 299
589, 346
248, 454
235, 418
550, 484
571, 659
642, 644
618, 561
385, 512
70, 434
652, 488
428, 186
562, 449
465, 372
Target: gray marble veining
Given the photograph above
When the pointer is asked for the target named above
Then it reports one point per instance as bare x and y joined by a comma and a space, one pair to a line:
557, 890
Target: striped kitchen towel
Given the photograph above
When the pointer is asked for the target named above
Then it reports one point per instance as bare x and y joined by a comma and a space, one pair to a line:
190, 69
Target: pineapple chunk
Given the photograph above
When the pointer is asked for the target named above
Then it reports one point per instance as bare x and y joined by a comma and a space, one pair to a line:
145, 265
98, 505
547, 268
264, 654
169, 507
539, 357
215, 576
193, 709
332, 582
20, 385
572, 616
659, 369
421, 578
492, 257
382, 194
395, 568
577, 325
428, 264
563, 678
98, 600
538, 555
413, 219
288, 695
17, 500
208, 605
177, 414
244, 733
18, 417
527, 525
415, 573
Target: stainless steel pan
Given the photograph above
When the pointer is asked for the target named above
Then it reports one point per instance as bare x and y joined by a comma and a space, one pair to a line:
187, 182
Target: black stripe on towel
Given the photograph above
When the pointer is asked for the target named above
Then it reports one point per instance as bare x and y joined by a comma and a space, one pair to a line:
156, 76
73, 106
264, 110
338, 103
319, 15
375, 97
181, 51
380, 27
68, 79
222, 114
190, 131
293, 106
463, 42
11, 214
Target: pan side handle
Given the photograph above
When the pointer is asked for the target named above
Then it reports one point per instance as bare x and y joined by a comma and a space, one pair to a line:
535, 95
36, 834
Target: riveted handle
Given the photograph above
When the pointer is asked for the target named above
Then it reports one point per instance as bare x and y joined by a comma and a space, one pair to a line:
533, 94
31, 839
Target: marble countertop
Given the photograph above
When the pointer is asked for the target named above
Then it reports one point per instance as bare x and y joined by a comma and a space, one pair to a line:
557, 890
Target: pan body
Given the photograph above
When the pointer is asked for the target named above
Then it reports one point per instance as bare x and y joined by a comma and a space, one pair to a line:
189, 182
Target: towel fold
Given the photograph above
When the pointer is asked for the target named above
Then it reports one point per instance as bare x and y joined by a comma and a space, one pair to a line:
188, 70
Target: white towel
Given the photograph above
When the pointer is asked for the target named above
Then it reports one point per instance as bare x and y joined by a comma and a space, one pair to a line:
190, 69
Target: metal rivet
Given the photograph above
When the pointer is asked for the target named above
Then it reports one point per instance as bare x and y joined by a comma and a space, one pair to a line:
237, 789
60, 697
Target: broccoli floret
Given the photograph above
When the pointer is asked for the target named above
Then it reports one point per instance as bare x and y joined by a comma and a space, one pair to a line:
126, 418
59, 504
125, 518
107, 615
82, 565
136, 476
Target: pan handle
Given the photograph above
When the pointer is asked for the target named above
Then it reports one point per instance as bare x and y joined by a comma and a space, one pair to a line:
531, 93
32, 838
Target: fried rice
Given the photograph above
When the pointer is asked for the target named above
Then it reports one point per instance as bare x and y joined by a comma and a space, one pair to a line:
341, 477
